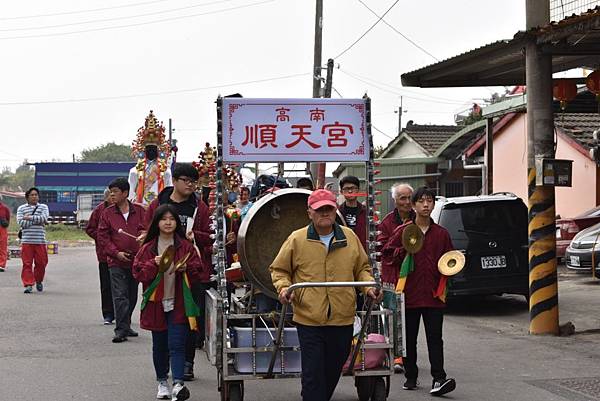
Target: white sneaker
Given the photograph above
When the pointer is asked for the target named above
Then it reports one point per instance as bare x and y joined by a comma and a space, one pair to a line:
164, 392
180, 392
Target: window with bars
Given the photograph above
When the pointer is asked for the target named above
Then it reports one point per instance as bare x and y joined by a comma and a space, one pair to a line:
560, 9
453, 189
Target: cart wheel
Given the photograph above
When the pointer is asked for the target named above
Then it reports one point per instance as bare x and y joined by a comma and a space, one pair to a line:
379, 389
364, 387
232, 391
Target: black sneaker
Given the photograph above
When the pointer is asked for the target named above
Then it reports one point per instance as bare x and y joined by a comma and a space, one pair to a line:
410, 384
131, 333
188, 372
441, 387
119, 339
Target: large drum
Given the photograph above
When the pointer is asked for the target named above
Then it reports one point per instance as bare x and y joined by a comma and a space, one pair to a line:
264, 229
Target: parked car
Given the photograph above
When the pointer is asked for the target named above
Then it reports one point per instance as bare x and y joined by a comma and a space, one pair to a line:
491, 230
567, 228
578, 255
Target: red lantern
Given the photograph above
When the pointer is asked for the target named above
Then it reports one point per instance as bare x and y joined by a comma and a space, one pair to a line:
593, 83
564, 90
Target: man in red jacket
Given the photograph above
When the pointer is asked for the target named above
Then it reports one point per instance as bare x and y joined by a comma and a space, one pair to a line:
402, 213
120, 223
420, 292
194, 217
92, 230
4, 222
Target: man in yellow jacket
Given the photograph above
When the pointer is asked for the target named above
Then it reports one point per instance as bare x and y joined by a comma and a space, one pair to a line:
323, 251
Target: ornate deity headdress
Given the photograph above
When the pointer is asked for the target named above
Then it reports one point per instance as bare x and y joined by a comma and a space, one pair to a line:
207, 169
152, 133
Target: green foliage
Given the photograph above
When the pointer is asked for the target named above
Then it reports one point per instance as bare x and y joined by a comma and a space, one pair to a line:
110, 152
56, 232
378, 150
20, 180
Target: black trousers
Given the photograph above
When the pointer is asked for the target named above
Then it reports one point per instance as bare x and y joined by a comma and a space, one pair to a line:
199, 295
433, 319
105, 292
324, 349
124, 293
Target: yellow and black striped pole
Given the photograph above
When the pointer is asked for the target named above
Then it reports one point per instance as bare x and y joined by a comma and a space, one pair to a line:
543, 282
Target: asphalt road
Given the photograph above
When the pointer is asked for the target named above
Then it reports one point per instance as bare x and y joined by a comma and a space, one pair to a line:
53, 346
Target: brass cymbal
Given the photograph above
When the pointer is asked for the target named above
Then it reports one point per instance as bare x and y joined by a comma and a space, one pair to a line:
451, 263
181, 262
412, 238
166, 259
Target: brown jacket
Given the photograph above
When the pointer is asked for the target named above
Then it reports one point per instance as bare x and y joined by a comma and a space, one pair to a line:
304, 258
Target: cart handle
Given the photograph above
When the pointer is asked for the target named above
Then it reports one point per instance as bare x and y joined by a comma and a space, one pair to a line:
331, 284
289, 290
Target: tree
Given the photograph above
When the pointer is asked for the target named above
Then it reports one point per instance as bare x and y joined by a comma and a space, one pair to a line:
110, 152
378, 150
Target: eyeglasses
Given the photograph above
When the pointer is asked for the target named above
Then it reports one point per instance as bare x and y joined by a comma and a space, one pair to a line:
350, 190
186, 181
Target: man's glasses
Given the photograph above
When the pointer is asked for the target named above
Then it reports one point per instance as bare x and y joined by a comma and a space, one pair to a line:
186, 181
349, 190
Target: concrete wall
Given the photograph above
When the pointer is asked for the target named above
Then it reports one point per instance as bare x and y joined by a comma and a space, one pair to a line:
510, 169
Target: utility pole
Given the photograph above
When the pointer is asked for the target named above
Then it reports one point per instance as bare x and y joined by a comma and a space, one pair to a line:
400, 117
314, 167
328, 86
543, 281
170, 133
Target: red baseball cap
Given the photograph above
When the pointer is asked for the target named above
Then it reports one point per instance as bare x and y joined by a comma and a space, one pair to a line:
320, 198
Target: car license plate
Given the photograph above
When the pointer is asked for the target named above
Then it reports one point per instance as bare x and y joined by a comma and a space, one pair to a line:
575, 261
493, 262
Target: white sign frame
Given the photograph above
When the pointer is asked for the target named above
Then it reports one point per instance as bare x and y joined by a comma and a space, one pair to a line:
315, 128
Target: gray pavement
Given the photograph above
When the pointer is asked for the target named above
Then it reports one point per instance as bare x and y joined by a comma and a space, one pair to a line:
53, 346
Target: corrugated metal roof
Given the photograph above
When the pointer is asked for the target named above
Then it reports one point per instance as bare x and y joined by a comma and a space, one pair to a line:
573, 42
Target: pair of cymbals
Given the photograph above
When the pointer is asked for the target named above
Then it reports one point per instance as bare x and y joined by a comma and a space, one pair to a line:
168, 257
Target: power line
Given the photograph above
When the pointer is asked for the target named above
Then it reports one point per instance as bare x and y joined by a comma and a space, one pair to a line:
367, 31
401, 94
92, 99
398, 88
381, 132
137, 24
115, 18
398, 32
82, 11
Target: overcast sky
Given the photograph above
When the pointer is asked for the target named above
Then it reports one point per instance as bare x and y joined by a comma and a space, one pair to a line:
120, 58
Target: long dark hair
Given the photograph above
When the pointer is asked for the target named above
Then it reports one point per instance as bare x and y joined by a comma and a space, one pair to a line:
154, 232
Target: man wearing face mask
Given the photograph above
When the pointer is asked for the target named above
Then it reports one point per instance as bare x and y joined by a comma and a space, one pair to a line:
152, 172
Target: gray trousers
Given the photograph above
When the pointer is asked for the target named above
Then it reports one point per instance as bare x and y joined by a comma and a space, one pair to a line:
124, 294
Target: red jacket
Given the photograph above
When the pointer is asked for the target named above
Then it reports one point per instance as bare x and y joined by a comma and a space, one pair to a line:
145, 270
108, 233
92, 229
423, 281
201, 227
361, 223
389, 270
4, 213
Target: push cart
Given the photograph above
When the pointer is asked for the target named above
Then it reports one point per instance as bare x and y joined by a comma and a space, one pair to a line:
243, 344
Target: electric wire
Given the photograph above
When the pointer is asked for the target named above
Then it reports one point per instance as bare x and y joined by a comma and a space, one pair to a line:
115, 18
170, 92
412, 42
367, 31
82, 11
398, 88
402, 94
136, 24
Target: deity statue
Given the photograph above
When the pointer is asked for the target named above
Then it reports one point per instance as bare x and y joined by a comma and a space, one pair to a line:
152, 172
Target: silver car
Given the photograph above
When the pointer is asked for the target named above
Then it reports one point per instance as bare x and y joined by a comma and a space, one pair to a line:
578, 255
